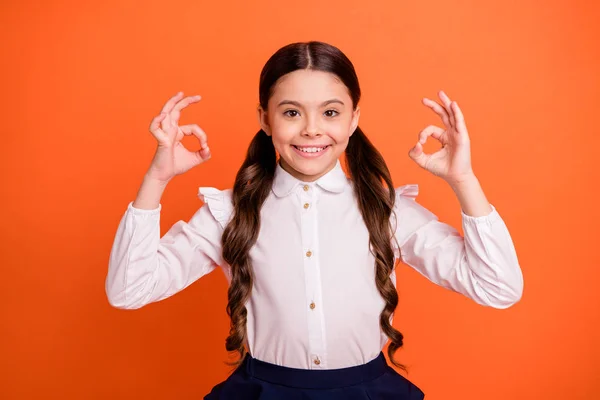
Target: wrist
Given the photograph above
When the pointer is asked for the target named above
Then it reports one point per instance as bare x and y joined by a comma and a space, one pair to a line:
149, 180
464, 181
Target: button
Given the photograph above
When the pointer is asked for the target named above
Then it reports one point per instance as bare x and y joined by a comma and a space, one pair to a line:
312, 305
308, 253
306, 187
306, 205
317, 361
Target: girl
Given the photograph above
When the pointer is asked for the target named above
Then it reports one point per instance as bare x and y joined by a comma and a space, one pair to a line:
309, 253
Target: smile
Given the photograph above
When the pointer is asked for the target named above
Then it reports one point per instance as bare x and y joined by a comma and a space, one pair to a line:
311, 149
311, 152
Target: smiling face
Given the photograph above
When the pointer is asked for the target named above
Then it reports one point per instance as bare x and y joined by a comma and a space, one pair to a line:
310, 118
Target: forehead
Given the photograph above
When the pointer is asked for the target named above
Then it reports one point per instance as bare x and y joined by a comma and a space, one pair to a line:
309, 86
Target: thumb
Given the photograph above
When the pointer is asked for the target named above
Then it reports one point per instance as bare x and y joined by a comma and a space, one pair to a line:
417, 154
416, 151
204, 154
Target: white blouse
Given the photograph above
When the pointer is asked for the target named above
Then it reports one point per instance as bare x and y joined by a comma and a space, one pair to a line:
314, 304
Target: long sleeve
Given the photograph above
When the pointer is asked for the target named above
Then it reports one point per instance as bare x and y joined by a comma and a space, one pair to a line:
482, 265
145, 268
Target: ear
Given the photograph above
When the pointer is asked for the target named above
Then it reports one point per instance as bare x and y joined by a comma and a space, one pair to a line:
263, 120
355, 118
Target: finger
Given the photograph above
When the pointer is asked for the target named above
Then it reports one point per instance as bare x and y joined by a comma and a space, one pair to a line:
183, 103
461, 126
432, 130
439, 110
175, 114
195, 130
167, 123
168, 107
447, 105
155, 125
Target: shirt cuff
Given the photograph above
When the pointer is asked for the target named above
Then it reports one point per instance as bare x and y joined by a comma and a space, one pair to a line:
491, 217
141, 211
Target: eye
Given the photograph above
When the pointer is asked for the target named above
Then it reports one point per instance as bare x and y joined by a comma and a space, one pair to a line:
291, 113
331, 113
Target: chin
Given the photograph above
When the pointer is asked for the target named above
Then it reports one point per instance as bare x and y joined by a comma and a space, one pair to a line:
311, 168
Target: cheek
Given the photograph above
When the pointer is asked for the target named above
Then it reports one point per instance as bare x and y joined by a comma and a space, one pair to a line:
284, 133
340, 132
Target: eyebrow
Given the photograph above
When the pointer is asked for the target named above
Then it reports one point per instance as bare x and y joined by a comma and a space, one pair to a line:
295, 103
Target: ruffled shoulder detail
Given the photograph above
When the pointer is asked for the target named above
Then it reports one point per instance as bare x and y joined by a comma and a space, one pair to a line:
410, 191
219, 203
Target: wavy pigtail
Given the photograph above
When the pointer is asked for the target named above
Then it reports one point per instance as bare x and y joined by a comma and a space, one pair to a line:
253, 183
369, 173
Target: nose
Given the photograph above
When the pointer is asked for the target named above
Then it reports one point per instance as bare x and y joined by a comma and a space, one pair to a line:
311, 129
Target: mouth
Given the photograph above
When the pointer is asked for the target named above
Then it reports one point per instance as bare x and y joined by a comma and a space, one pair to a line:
311, 150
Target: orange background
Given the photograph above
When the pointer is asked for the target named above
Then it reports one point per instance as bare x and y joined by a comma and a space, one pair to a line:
81, 83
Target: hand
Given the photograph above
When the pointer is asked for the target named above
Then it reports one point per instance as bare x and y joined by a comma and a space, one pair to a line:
453, 161
171, 157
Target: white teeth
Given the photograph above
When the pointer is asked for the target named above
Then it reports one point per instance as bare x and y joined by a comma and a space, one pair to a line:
310, 149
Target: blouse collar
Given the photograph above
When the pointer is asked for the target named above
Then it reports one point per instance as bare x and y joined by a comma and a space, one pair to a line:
333, 181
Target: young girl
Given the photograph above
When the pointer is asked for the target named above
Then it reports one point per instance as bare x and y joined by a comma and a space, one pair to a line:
309, 253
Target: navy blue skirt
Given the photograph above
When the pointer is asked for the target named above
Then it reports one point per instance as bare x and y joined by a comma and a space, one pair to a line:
258, 380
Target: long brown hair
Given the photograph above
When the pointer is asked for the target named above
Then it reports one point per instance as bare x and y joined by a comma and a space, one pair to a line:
368, 171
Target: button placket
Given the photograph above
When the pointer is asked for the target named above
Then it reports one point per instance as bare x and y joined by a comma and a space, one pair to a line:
315, 318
